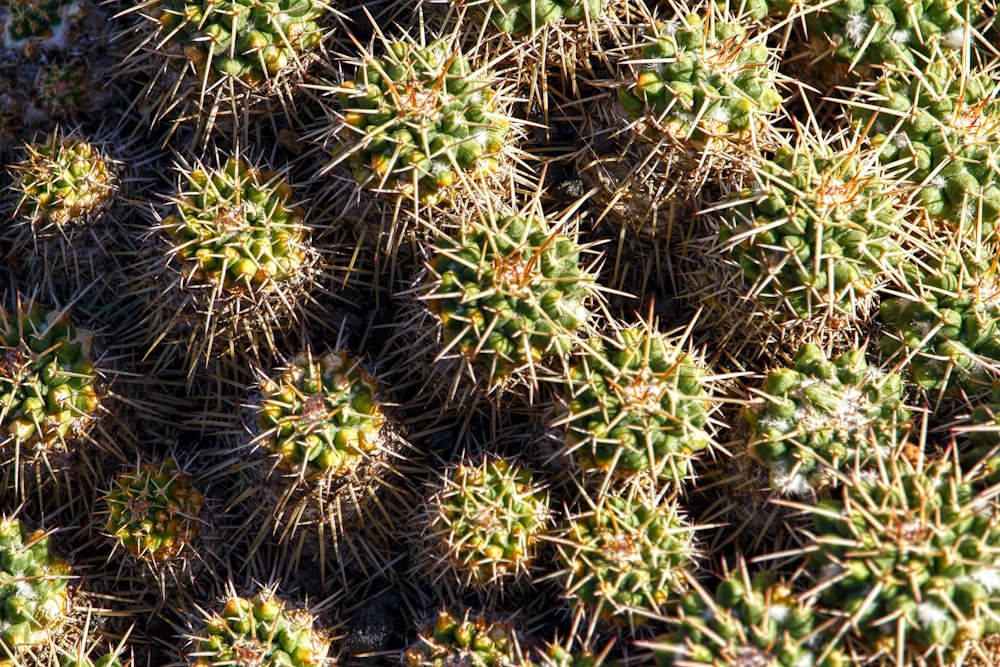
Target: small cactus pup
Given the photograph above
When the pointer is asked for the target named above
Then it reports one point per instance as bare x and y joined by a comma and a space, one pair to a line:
942, 123
944, 330
482, 527
508, 291
34, 593
819, 233
529, 16
468, 639
229, 265
624, 560
420, 123
907, 558
221, 58
759, 620
634, 403
706, 90
263, 630
50, 392
153, 512
821, 417
31, 26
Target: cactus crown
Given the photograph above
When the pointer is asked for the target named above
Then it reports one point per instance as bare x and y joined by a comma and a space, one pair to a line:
321, 416
486, 521
153, 512
237, 229
508, 292
34, 600
64, 181
637, 403
468, 640
417, 118
819, 417
48, 385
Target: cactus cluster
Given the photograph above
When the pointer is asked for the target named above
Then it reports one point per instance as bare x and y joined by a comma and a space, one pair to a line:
40, 23
49, 389
635, 402
508, 292
321, 416
34, 595
465, 640
822, 417
419, 120
153, 512
516, 16
263, 630
486, 523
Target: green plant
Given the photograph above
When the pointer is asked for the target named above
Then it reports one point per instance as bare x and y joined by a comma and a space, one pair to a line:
516, 16
467, 640
635, 402
419, 120
822, 417
44, 23
153, 512
508, 292
321, 416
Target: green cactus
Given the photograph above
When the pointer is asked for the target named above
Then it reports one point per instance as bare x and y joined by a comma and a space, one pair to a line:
819, 232
263, 631
758, 621
948, 323
64, 181
153, 512
624, 561
474, 641
508, 292
704, 81
44, 23
321, 417
819, 418
48, 385
418, 120
908, 557
34, 598
514, 16
484, 525
64, 89
943, 123
637, 403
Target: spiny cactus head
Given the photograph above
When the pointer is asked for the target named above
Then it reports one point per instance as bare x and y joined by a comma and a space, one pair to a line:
704, 79
746, 622
153, 512
624, 560
465, 640
321, 416
64, 89
418, 121
518, 16
32, 24
822, 416
508, 291
34, 598
636, 402
485, 523
237, 228
262, 630
909, 553
64, 182
49, 389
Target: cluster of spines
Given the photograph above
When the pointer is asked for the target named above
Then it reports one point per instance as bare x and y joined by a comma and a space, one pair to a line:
469, 639
516, 16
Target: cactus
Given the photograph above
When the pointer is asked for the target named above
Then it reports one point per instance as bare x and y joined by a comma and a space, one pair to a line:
508, 292
419, 120
908, 554
485, 523
46, 24
321, 417
153, 512
822, 417
475, 641
706, 84
49, 389
34, 598
65, 89
636, 403
515, 16
624, 560
819, 233
263, 630
758, 621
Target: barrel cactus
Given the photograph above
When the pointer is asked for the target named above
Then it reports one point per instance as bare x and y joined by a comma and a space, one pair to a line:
419, 120
465, 640
820, 418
